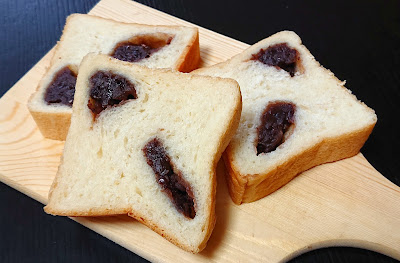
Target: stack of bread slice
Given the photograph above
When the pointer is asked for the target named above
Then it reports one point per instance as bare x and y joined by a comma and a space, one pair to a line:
145, 142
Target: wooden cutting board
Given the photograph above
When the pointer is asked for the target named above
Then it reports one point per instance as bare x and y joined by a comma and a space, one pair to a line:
345, 203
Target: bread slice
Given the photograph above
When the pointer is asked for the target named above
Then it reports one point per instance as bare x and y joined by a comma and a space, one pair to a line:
105, 168
174, 47
329, 122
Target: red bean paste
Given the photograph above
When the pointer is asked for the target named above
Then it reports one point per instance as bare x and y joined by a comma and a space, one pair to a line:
276, 119
280, 56
62, 88
140, 47
170, 180
109, 89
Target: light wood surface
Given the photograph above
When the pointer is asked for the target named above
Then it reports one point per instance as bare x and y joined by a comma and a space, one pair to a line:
343, 203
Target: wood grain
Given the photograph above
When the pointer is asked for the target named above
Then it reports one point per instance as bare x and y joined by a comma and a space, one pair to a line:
342, 203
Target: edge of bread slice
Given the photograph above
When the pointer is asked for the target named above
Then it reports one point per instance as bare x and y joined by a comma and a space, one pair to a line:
104, 171
330, 123
85, 34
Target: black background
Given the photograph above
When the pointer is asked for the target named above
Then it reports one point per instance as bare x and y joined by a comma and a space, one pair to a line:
358, 40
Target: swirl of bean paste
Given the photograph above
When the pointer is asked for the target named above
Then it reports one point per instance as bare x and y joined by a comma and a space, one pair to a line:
170, 180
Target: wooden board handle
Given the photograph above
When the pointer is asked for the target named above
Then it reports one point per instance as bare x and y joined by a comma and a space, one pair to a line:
358, 208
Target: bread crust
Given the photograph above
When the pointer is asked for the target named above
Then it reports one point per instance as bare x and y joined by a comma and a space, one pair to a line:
190, 58
52, 126
246, 188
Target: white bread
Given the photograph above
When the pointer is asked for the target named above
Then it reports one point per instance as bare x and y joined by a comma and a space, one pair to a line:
330, 123
104, 171
84, 34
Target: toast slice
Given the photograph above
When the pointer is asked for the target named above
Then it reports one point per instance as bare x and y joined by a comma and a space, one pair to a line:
174, 47
296, 115
149, 149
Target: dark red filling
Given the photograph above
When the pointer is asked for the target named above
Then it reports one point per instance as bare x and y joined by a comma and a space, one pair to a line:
169, 179
109, 89
132, 53
277, 118
140, 47
281, 56
62, 88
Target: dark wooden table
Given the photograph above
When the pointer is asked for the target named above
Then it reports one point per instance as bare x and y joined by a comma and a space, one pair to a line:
358, 40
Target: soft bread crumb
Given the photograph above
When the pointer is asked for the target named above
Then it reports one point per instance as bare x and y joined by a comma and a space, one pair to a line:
104, 171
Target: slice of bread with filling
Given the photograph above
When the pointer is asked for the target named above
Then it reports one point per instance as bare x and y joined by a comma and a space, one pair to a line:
169, 133
325, 121
174, 47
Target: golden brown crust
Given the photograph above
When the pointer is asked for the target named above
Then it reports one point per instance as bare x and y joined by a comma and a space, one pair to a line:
249, 188
236, 182
93, 212
124, 211
52, 125
162, 232
190, 58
